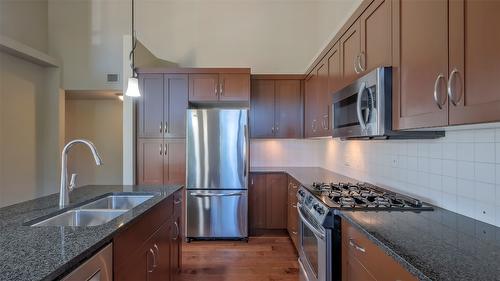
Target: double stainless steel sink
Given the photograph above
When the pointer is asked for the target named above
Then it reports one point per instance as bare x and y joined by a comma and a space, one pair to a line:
97, 212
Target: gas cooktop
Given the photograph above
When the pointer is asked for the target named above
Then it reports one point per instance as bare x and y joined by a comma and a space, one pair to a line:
363, 196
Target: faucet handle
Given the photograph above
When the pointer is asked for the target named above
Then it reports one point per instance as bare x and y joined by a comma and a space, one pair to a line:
72, 181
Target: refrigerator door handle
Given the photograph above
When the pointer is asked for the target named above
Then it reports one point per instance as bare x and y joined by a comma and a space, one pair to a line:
245, 160
216, 194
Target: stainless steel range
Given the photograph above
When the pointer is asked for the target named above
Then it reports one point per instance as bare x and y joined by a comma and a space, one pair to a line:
319, 228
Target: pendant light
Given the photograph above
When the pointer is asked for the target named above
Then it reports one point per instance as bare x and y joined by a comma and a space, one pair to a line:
133, 82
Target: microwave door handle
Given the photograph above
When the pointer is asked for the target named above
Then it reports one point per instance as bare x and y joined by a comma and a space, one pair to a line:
308, 224
361, 91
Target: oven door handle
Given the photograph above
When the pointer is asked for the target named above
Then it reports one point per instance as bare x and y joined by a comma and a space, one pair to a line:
316, 232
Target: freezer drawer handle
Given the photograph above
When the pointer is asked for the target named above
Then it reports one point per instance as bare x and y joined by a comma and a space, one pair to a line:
216, 194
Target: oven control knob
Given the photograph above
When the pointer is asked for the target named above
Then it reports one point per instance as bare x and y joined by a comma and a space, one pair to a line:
319, 209
302, 193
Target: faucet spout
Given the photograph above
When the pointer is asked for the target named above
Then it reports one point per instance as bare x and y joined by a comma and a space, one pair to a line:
64, 189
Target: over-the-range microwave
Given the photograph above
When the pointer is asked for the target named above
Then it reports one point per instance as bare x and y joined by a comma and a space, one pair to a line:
363, 110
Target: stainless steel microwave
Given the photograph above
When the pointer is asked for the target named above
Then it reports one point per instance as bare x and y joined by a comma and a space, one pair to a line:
363, 110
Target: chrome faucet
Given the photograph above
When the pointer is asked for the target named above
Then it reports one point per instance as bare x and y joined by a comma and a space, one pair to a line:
65, 188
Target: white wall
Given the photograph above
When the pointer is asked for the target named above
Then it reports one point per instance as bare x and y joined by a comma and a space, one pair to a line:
100, 121
460, 172
86, 35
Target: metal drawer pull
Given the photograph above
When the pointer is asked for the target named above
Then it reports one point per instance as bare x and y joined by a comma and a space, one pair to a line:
177, 232
294, 232
157, 254
356, 246
436, 85
154, 260
454, 73
293, 205
177, 202
216, 194
361, 68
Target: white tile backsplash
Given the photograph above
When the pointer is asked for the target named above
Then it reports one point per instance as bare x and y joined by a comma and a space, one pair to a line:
460, 172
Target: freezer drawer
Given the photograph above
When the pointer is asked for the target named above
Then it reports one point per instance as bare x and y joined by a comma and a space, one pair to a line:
217, 214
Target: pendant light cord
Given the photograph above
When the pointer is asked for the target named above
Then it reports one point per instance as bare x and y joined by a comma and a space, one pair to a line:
134, 44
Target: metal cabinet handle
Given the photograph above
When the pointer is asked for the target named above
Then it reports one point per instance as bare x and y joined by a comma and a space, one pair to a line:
361, 65
161, 127
165, 150
313, 125
154, 261
436, 85
177, 202
177, 232
161, 149
294, 205
157, 254
221, 88
352, 243
454, 73
165, 127
324, 122
215, 90
356, 63
294, 232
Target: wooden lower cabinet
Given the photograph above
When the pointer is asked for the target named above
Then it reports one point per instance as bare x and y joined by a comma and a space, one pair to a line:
363, 260
293, 217
161, 161
267, 201
150, 248
176, 236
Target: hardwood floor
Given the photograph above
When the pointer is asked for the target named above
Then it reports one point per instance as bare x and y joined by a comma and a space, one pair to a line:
261, 259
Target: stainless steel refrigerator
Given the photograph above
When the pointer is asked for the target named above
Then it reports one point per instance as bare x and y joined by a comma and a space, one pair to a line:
217, 174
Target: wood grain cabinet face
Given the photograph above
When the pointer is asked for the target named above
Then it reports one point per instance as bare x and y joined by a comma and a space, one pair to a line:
262, 109
150, 106
311, 104
420, 63
293, 217
288, 109
234, 87
203, 87
334, 71
150, 161
175, 161
257, 201
175, 105
350, 47
376, 37
474, 65
324, 101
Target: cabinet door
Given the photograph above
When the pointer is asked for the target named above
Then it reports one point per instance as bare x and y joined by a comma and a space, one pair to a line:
138, 265
176, 103
288, 110
376, 39
150, 161
203, 87
311, 102
262, 109
276, 201
176, 237
334, 71
474, 61
160, 246
234, 87
175, 161
353, 270
324, 100
150, 106
350, 44
257, 201
420, 63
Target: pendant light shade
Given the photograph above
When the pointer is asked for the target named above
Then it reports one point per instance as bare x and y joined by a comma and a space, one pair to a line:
133, 87
133, 82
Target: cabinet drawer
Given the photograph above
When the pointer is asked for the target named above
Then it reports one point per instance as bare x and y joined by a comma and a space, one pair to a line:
377, 263
132, 239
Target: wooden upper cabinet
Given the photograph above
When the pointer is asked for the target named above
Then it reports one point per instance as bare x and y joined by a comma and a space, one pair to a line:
262, 109
420, 63
150, 106
334, 71
175, 161
474, 61
234, 87
376, 37
288, 109
310, 105
324, 100
150, 161
176, 103
350, 45
203, 87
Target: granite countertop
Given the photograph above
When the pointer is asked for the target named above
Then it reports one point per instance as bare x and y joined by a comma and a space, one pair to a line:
432, 245
45, 253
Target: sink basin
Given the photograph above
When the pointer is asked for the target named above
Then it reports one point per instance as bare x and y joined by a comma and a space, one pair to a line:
81, 218
117, 202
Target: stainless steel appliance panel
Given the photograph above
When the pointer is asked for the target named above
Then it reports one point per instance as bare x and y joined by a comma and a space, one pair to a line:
217, 213
97, 268
217, 149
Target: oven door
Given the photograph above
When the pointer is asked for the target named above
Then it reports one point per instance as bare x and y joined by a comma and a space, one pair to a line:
313, 249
